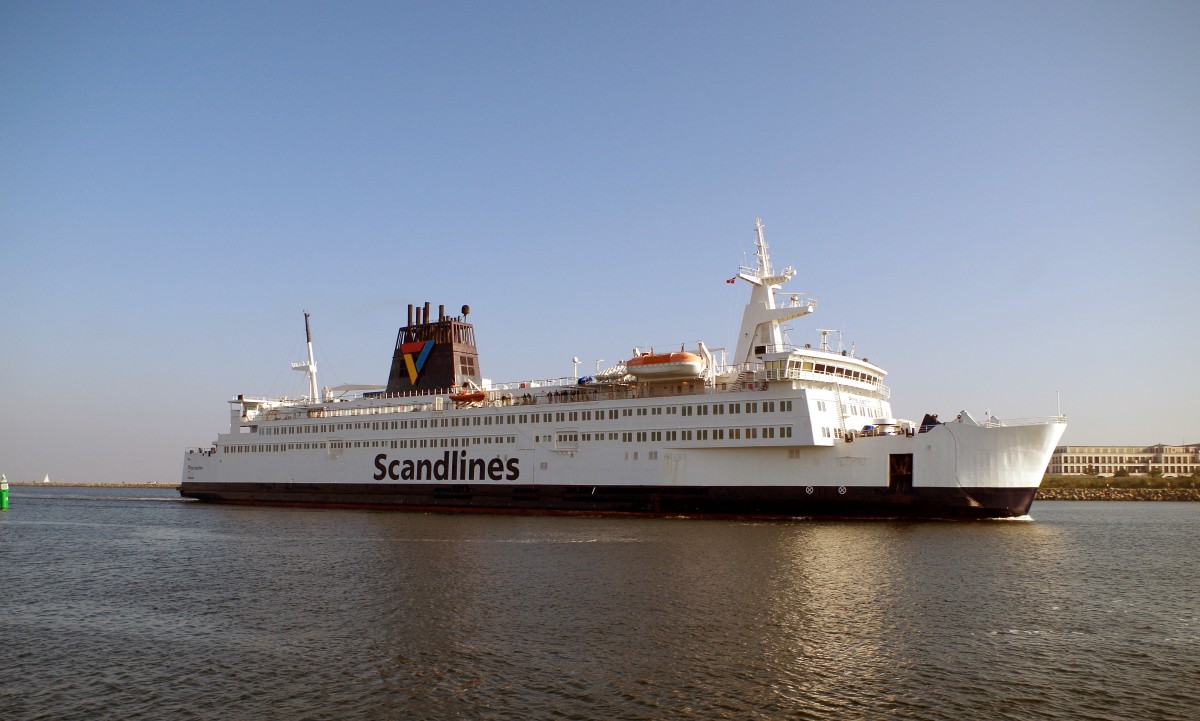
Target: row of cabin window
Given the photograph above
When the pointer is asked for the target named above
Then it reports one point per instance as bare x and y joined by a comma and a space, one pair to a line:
629, 456
400, 443
715, 409
853, 409
702, 434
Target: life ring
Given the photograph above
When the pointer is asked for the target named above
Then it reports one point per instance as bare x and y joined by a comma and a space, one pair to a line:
808, 490
841, 490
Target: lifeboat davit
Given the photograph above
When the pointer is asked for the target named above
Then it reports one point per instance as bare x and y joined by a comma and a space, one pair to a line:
656, 366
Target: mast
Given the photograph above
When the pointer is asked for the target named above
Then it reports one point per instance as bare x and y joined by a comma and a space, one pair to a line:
310, 368
761, 330
764, 260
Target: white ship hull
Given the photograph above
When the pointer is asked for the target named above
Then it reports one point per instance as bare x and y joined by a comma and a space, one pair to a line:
780, 432
957, 469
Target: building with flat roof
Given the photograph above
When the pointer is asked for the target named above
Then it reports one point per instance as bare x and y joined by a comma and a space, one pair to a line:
1135, 460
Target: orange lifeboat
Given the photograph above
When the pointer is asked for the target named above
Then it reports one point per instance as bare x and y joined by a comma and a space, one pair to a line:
469, 397
655, 366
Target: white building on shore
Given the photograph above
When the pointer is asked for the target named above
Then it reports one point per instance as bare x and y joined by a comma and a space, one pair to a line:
1135, 460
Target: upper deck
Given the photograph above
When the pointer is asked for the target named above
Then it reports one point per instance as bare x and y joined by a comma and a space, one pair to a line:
423, 380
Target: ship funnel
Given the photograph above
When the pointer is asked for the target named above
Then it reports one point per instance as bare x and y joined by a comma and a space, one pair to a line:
434, 356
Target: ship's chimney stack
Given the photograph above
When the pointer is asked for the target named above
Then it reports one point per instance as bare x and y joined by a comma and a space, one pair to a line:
434, 356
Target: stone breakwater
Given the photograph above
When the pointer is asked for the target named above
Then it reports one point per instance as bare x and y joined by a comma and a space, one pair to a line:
1118, 494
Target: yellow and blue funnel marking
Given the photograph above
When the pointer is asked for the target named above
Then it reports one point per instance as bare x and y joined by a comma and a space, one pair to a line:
415, 355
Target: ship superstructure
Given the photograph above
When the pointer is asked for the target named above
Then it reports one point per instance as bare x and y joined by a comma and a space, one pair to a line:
775, 431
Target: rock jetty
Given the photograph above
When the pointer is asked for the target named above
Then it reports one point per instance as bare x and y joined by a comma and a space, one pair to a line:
1118, 494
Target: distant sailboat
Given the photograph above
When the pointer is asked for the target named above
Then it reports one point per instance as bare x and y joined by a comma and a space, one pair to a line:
46, 479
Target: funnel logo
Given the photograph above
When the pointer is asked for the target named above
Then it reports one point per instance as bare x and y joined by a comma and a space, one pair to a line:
415, 355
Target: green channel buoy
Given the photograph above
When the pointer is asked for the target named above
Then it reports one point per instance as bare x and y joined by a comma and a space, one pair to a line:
3, 492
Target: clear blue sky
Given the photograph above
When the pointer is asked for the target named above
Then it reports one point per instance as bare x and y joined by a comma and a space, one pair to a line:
995, 201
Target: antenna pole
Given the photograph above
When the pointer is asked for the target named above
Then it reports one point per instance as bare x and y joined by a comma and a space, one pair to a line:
312, 364
310, 368
764, 260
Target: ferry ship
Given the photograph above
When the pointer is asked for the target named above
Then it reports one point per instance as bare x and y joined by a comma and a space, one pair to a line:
775, 431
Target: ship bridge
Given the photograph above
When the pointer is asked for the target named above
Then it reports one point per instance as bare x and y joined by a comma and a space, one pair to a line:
790, 363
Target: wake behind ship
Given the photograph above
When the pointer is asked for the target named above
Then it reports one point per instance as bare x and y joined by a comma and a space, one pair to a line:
776, 431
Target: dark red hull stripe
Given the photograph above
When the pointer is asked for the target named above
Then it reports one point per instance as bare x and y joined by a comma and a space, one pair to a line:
702, 501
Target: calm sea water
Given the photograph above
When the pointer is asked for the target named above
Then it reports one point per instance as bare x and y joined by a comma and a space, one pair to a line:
134, 604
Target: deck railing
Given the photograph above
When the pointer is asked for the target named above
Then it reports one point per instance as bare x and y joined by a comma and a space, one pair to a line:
993, 422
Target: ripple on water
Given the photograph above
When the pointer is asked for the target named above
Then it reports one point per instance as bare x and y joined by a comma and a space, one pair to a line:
138, 609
